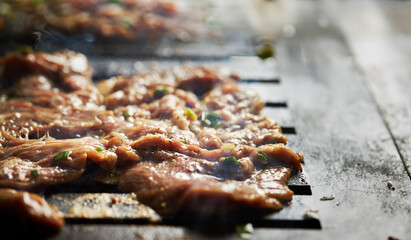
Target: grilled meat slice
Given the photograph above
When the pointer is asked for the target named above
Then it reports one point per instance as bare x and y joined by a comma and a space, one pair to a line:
50, 93
28, 164
272, 181
69, 70
23, 211
173, 187
22, 118
146, 87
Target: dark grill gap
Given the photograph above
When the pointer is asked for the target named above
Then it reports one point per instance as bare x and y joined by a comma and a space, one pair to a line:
268, 81
276, 104
311, 223
288, 130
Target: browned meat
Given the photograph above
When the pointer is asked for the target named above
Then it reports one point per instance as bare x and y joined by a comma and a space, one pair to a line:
173, 187
36, 163
234, 100
22, 118
51, 93
69, 70
21, 211
179, 154
275, 154
142, 88
273, 182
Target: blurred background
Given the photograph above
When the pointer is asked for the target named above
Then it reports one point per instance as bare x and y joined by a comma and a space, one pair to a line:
206, 28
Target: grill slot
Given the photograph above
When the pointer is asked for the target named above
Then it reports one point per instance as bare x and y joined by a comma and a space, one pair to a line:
261, 81
287, 224
289, 130
276, 104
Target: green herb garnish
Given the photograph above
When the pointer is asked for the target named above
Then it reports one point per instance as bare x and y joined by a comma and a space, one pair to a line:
212, 22
183, 141
126, 24
126, 114
265, 52
36, 2
115, 1
61, 155
100, 149
230, 160
327, 198
244, 231
159, 92
210, 119
190, 114
34, 172
262, 156
25, 50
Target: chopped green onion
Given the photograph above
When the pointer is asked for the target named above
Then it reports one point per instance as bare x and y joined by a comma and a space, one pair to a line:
266, 52
190, 114
159, 92
183, 141
61, 155
126, 24
262, 156
230, 160
34, 172
212, 22
126, 114
210, 119
244, 231
100, 149
36, 2
115, 1
25, 49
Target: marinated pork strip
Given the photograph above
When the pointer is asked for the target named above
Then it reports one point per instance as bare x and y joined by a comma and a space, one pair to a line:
41, 91
69, 70
272, 181
51, 94
172, 188
241, 169
22, 118
21, 211
235, 108
232, 99
36, 163
50, 80
22, 174
161, 135
180, 185
145, 87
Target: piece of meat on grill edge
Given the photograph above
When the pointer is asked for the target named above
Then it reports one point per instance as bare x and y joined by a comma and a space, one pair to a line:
187, 140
